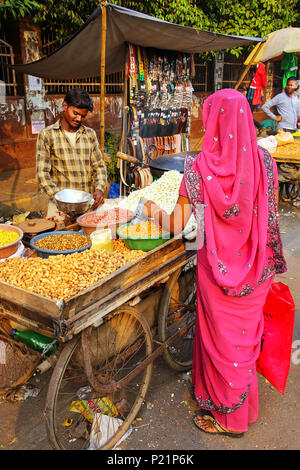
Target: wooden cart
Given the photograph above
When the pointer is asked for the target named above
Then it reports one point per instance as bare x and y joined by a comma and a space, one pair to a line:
287, 158
108, 337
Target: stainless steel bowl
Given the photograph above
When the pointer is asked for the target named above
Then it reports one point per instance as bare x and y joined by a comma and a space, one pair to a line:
73, 202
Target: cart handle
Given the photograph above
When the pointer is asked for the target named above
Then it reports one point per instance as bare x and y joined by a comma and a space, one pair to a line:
127, 158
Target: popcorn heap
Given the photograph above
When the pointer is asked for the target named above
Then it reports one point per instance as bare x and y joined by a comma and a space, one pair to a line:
164, 192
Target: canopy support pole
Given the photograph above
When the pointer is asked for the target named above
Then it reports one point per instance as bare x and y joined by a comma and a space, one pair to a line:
102, 76
248, 66
123, 141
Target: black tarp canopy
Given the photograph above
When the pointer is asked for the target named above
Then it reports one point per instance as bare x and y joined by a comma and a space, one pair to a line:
80, 56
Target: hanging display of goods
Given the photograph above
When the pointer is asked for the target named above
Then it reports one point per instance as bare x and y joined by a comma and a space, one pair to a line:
158, 85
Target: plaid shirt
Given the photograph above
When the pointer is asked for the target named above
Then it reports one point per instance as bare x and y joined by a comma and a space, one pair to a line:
59, 165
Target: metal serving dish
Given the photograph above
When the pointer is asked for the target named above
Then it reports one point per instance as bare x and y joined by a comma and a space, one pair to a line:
73, 201
173, 161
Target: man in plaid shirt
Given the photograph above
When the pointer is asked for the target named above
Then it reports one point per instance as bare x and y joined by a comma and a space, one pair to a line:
68, 153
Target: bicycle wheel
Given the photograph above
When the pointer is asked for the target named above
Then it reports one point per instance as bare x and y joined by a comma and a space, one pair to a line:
289, 191
178, 312
17, 364
80, 417
293, 191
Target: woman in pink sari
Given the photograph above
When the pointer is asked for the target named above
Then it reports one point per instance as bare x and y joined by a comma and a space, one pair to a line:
234, 180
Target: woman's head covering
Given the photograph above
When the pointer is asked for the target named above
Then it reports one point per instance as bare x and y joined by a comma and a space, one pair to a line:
235, 190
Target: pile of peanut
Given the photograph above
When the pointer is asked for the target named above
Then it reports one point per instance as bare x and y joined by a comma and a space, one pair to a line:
62, 276
129, 255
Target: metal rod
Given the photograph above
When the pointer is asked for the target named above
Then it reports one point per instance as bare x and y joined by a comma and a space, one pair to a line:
102, 76
111, 388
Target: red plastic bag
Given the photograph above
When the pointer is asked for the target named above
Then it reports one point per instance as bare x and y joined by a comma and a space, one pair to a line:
275, 356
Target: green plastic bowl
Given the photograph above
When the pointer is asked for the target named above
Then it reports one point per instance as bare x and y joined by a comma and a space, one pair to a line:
144, 244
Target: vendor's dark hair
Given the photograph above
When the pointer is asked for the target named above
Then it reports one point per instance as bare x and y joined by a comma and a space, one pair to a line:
79, 98
291, 79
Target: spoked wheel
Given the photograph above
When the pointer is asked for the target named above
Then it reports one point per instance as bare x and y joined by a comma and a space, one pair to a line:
17, 364
98, 384
289, 191
17, 361
178, 314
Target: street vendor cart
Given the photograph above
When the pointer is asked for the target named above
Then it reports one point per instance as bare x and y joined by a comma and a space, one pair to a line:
287, 158
108, 335
106, 346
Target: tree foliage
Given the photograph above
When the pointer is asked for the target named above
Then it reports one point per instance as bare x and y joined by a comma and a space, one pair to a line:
255, 18
16, 9
185, 12
64, 17
238, 17
68, 16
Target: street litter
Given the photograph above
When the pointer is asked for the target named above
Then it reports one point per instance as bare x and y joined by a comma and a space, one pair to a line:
89, 408
83, 392
30, 391
19, 394
67, 422
103, 429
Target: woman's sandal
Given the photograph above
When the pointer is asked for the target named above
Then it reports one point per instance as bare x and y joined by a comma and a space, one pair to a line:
220, 430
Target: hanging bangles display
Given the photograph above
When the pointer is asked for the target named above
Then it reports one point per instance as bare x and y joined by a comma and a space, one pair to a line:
159, 99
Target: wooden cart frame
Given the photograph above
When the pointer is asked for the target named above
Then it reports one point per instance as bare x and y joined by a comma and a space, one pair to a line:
289, 190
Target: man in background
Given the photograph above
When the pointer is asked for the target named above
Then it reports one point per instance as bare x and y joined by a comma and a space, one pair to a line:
287, 105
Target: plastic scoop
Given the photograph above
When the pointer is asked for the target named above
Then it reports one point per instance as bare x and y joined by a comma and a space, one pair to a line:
138, 215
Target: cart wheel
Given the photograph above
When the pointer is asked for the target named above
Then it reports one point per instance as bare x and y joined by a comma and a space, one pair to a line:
17, 364
115, 349
289, 191
178, 311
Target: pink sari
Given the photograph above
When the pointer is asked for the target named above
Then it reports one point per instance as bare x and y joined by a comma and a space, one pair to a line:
242, 253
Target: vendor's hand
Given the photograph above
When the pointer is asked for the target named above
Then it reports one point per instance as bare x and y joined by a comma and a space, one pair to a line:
278, 118
150, 208
147, 208
98, 198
